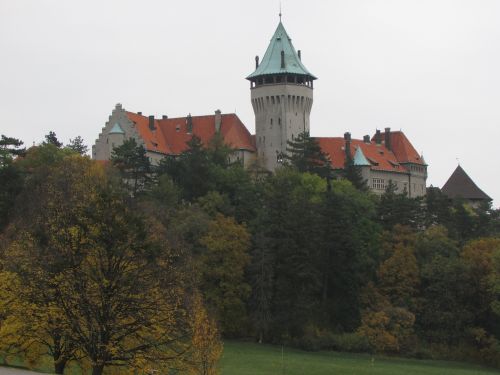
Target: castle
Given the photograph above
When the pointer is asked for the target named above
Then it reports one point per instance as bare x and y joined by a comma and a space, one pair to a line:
282, 96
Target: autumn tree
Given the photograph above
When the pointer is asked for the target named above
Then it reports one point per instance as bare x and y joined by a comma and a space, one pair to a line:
390, 304
206, 346
107, 274
222, 264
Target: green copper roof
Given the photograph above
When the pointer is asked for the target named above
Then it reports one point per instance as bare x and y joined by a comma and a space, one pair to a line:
271, 63
359, 158
117, 129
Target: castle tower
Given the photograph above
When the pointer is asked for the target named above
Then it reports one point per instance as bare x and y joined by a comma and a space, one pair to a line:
282, 97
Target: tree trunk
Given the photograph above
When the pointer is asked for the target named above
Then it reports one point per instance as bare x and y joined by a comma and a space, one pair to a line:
97, 369
59, 366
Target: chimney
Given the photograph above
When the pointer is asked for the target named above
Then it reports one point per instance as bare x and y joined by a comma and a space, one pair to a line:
366, 138
151, 122
300, 55
388, 138
218, 120
164, 117
139, 113
378, 138
189, 123
282, 59
347, 138
256, 62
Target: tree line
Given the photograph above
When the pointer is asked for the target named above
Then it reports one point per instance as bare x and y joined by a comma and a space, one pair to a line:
129, 264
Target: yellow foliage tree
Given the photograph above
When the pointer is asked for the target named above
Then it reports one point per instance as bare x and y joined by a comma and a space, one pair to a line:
101, 280
206, 346
387, 320
222, 265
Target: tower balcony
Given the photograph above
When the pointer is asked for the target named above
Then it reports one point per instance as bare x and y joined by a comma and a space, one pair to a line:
282, 79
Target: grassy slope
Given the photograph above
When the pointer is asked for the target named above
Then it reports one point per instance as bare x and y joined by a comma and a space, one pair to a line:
253, 359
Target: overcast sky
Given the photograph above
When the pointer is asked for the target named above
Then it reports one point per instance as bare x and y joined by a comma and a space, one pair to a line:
428, 67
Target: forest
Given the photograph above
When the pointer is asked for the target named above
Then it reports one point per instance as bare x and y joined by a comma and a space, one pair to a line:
127, 265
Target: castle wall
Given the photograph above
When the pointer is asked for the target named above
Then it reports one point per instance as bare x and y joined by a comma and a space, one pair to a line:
105, 142
377, 181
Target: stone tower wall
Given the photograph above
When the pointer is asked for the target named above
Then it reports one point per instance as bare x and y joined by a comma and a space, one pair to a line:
281, 113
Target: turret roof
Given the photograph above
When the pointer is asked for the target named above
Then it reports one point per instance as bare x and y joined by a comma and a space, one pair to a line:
271, 63
360, 158
461, 185
116, 129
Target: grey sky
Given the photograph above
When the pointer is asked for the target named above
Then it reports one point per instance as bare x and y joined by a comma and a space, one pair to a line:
428, 67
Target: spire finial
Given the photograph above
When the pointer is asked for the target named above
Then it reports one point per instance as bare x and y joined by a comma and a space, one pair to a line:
280, 11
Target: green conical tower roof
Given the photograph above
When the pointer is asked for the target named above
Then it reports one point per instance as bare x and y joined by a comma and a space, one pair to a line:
117, 129
272, 64
360, 158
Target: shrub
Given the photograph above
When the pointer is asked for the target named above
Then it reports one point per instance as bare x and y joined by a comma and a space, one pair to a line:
350, 342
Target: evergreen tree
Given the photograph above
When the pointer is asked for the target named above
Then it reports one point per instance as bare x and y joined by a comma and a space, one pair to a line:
291, 227
395, 208
9, 149
134, 166
77, 144
51, 139
352, 173
305, 154
349, 247
10, 176
192, 170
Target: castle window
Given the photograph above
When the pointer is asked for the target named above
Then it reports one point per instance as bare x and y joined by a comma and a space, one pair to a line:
378, 184
177, 128
271, 122
279, 120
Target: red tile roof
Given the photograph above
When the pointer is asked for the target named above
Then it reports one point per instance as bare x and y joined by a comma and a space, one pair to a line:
170, 135
379, 155
403, 149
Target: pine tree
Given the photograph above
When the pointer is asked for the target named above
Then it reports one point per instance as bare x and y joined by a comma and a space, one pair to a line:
134, 166
51, 139
76, 144
305, 154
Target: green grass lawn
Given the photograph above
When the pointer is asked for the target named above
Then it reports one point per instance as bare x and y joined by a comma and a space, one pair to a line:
253, 359
243, 358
